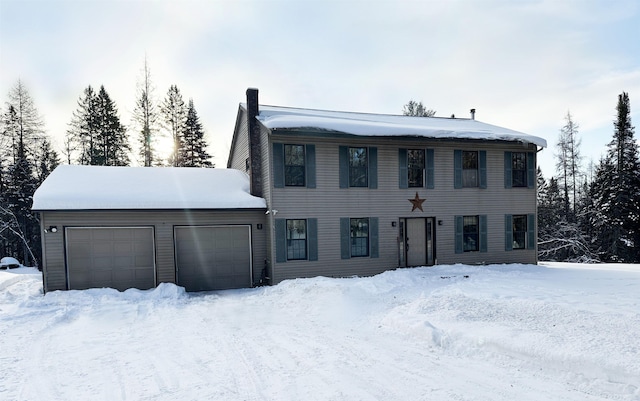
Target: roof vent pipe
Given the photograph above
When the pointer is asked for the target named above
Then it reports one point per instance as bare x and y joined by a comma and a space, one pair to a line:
473, 114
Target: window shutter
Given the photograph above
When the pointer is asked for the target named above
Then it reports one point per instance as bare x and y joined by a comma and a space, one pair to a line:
430, 169
507, 170
458, 236
311, 165
373, 236
278, 165
345, 240
483, 232
343, 156
281, 240
457, 169
531, 231
403, 177
482, 168
312, 238
508, 232
531, 170
373, 168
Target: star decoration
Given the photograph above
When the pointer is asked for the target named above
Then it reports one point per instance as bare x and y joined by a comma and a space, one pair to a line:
417, 203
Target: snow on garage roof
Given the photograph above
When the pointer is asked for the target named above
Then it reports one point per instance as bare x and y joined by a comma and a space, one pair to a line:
101, 187
364, 124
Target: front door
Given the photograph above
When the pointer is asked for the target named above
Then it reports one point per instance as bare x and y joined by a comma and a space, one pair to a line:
417, 246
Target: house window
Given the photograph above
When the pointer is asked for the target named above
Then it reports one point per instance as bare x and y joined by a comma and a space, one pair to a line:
359, 237
294, 166
469, 169
470, 234
296, 239
358, 167
519, 169
519, 231
415, 167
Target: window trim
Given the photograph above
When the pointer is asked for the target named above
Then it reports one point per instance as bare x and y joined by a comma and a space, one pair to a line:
475, 233
356, 169
522, 171
305, 239
523, 233
353, 238
287, 166
420, 169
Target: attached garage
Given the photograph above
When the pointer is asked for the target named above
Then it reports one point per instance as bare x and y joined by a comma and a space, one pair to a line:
213, 257
137, 227
116, 257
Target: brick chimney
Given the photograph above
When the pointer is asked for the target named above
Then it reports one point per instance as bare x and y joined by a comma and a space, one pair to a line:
473, 114
253, 128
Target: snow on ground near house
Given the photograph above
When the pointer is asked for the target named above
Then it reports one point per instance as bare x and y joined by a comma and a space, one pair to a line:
500, 332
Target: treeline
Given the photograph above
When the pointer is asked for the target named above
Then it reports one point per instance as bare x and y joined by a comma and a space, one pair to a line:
592, 214
96, 136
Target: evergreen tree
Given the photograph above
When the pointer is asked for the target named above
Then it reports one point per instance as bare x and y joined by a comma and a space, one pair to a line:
47, 160
417, 109
174, 115
616, 192
146, 118
112, 146
83, 132
194, 152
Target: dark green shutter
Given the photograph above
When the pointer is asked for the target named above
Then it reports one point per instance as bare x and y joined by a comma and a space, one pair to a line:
507, 170
508, 232
345, 238
457, 169
311, 165
312, 238
373, 168
373, 237
482, 164
278, 165
483, 233
531, 231
343, 165
458, 235
281, 240
403, 177
531, 170
430, 168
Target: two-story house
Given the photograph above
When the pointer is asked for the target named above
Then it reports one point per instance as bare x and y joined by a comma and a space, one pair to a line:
357, 194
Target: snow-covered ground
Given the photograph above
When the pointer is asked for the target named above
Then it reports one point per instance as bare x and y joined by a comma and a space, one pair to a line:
507, 332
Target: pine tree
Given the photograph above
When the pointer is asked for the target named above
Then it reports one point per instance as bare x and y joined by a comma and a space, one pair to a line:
174, 115
417, 109
194, 153
112, 145
616, 192
47, 160
83, 132
146, 118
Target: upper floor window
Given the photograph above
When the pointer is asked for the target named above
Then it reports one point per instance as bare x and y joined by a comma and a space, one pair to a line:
359, 237
415, 167
470, 233
469, 168
294, 166
518, 169
358, 167
296, 239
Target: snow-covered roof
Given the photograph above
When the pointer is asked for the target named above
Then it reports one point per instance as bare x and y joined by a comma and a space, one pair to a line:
365, 124
100, 187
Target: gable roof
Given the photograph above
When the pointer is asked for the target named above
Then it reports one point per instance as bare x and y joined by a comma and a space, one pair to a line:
364, 124
117, 188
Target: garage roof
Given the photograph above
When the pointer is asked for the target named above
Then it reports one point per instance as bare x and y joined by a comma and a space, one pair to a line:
101, 187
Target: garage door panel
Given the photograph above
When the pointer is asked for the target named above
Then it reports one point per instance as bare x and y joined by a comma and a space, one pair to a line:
120, 258
213, 257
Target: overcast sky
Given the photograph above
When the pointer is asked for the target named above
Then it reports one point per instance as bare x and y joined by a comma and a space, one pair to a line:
522, 64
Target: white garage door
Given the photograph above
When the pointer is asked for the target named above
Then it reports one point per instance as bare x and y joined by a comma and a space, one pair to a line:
116, 257
213, 257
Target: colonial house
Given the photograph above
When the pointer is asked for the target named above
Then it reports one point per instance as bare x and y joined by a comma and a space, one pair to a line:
305, 193
357, 194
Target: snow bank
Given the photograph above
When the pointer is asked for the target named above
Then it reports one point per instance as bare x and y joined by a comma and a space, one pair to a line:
389, 125
499, 332
99, 187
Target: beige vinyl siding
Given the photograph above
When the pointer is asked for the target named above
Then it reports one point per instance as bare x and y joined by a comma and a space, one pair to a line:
163, 222
328, 203
240, 151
